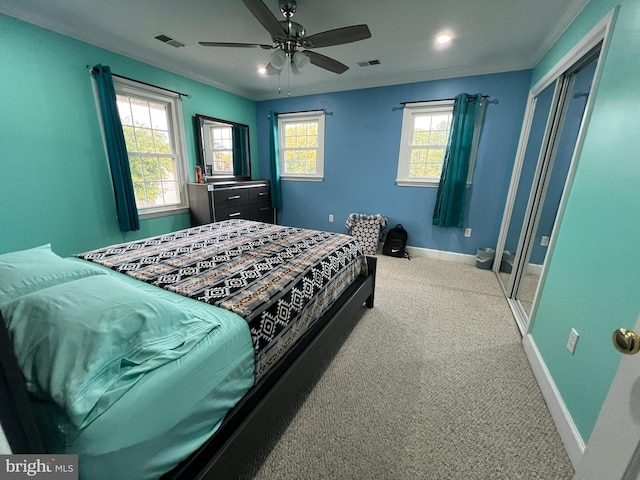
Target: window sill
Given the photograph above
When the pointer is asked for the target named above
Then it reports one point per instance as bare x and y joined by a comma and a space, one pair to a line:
163, 213
407, 183
302, 179
412, 183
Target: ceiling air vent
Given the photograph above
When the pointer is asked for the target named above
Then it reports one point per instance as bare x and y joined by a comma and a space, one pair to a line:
368, 63
168, 40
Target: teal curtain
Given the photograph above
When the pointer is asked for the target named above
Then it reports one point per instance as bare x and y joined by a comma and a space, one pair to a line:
240, 137
276, 194
117, 151
452, 190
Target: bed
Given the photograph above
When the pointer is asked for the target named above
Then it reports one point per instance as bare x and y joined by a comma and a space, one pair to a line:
257, 307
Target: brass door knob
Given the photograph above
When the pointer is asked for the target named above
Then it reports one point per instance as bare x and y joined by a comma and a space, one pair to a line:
626, 341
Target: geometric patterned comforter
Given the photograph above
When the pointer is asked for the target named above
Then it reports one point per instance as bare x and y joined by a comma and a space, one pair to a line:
279, 279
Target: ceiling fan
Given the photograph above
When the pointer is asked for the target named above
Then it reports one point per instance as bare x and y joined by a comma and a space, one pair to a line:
288, 37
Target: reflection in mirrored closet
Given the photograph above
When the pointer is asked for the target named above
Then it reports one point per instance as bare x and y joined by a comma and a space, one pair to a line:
552, 125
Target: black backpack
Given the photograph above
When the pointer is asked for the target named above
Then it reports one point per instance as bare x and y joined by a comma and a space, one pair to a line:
396, 242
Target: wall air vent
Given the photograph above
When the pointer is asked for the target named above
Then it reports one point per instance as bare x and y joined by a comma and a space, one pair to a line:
168, 40
368, 63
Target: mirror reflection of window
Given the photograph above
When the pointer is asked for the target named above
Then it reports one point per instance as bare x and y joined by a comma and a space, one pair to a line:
219, 148
223, 148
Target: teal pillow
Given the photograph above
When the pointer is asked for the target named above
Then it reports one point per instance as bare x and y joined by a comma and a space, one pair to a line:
27, 271
84, 343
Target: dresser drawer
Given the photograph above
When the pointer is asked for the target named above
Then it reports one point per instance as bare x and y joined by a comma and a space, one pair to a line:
260, 194
239, 211
262, 212
230, 198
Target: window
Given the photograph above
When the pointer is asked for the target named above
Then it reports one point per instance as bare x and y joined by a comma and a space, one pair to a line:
155, 144
301, 145
423, 144
219, 148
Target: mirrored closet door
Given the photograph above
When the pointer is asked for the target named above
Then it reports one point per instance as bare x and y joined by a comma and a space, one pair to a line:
552, 126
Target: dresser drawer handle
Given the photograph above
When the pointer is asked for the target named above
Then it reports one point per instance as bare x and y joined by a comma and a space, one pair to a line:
264, 208
262, 194
235, 214
233, 197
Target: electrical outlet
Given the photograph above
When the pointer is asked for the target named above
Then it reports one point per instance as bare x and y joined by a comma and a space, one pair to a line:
331, 218
544, 242
467, 232
573, 339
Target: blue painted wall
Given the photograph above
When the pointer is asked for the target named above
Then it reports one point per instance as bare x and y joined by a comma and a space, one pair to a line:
362, 140
55, 184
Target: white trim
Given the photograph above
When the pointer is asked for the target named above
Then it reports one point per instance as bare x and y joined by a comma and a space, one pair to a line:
310, 116
515, 176
286, 178
308, 113
418, 183
519, 315
173, 100
410, 112
442, 255
571, 438
163, 213
597, 34
467, 258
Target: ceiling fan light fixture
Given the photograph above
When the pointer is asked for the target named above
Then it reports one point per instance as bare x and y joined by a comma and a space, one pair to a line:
299, 60
278, 59
271, 70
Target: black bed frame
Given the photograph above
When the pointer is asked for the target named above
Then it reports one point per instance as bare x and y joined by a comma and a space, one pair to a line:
247, 427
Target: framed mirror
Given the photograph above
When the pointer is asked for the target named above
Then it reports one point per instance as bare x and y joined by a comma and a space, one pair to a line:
223, 148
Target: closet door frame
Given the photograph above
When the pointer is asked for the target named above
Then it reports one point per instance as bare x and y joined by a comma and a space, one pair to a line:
600, 34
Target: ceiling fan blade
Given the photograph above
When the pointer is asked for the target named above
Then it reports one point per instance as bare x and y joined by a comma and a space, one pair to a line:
242, 45
265, 17
325, 62
338, 36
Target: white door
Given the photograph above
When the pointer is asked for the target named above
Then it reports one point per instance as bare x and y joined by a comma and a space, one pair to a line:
613, 451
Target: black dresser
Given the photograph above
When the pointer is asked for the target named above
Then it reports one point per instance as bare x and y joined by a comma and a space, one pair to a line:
224, 200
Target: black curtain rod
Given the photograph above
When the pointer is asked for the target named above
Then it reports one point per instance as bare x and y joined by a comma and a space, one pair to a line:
304, 111
147, 84
439, 100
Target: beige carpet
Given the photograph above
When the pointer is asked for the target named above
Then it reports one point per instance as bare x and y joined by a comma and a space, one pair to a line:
431, 384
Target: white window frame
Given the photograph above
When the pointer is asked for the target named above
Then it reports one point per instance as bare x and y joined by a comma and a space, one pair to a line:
313, 116
174, 113
404, 158
410, 112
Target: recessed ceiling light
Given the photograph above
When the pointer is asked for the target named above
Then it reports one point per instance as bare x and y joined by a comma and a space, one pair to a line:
443, 39
262, 70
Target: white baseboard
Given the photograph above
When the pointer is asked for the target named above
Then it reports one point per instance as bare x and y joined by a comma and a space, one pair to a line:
441, 255
573, 442
470, 259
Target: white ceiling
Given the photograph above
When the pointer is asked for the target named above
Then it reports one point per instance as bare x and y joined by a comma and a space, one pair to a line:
489, 36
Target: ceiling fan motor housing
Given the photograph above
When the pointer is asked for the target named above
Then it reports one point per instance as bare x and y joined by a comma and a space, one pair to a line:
288, 8
294, 33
